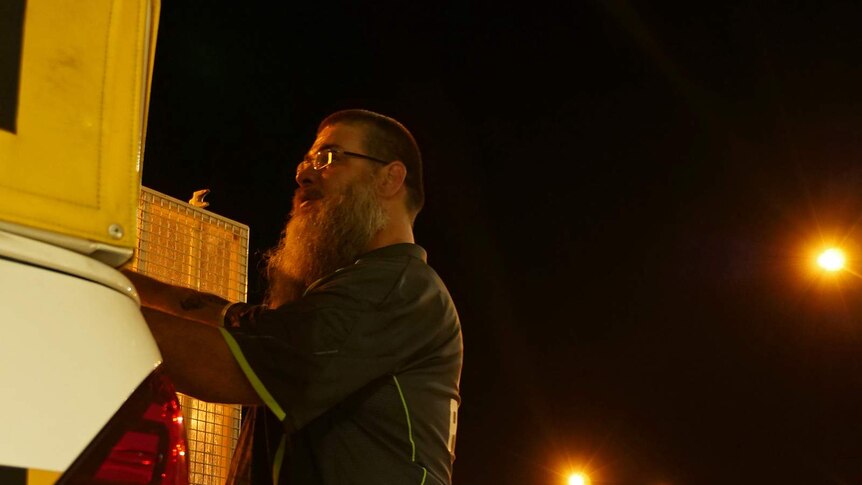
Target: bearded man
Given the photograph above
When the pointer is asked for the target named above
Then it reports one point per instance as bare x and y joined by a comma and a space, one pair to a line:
351, 366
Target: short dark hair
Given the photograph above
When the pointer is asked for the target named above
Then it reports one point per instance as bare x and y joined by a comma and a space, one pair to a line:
388, 139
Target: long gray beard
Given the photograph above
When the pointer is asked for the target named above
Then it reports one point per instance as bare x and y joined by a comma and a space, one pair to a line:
316, 242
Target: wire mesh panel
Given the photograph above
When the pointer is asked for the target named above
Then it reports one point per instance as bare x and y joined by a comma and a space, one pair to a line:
185, 245
212, 430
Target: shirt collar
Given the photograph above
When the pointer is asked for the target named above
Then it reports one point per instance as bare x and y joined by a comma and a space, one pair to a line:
399, 249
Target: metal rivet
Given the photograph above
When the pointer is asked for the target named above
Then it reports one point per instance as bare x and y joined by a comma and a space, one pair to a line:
116, 231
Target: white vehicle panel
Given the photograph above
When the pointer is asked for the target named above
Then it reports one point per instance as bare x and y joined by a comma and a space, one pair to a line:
72, 351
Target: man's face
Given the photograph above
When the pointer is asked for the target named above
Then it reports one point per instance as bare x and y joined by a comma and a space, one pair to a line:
336, 212
343, 171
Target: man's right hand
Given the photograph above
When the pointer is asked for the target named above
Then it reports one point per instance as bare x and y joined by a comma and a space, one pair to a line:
177, 300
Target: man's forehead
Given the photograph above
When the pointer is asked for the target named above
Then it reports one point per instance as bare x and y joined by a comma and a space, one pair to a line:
339, 135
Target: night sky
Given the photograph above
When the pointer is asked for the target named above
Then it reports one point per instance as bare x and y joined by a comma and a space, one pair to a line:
624, 199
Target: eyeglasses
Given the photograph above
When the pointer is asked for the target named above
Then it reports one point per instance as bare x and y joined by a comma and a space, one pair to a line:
325, 157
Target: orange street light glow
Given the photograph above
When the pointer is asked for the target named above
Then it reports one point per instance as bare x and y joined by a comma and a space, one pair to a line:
831, 260
578, 479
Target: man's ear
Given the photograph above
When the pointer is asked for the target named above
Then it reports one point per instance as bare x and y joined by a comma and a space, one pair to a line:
392, 178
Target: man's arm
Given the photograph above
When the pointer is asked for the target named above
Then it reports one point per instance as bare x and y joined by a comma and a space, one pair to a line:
185, 324
175, 300
198, 360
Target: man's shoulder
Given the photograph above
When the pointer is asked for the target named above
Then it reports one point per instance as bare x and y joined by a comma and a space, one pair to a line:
394, 261
400, 268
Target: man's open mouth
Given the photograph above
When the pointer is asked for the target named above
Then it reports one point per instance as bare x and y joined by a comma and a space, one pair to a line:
307, 197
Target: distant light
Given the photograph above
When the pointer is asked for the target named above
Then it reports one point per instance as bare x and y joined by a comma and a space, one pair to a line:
578, 479
831, 259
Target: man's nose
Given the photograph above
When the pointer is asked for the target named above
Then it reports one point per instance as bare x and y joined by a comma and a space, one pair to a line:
305, 174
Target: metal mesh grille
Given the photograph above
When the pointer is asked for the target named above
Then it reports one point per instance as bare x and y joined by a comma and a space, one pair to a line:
189, 246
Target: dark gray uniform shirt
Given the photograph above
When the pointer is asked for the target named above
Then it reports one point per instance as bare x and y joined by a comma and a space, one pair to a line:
362, 373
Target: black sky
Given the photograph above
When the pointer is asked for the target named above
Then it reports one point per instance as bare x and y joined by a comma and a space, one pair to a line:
623, 198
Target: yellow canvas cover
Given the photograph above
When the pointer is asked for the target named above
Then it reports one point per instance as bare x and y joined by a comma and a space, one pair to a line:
72, 133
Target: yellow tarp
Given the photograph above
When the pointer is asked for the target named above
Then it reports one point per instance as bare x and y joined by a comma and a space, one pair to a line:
71, 162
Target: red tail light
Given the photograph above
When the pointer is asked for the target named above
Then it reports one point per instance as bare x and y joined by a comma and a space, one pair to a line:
143, 444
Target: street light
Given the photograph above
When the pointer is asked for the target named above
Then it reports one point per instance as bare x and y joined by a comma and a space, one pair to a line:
831, 259
578, 479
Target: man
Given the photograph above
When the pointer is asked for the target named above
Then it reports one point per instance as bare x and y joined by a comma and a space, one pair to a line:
356, 353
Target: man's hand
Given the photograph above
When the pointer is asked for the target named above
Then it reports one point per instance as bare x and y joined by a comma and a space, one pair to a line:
177, 300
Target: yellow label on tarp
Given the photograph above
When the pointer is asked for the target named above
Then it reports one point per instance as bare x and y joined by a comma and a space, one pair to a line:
72, 138
41, 477
10, 475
